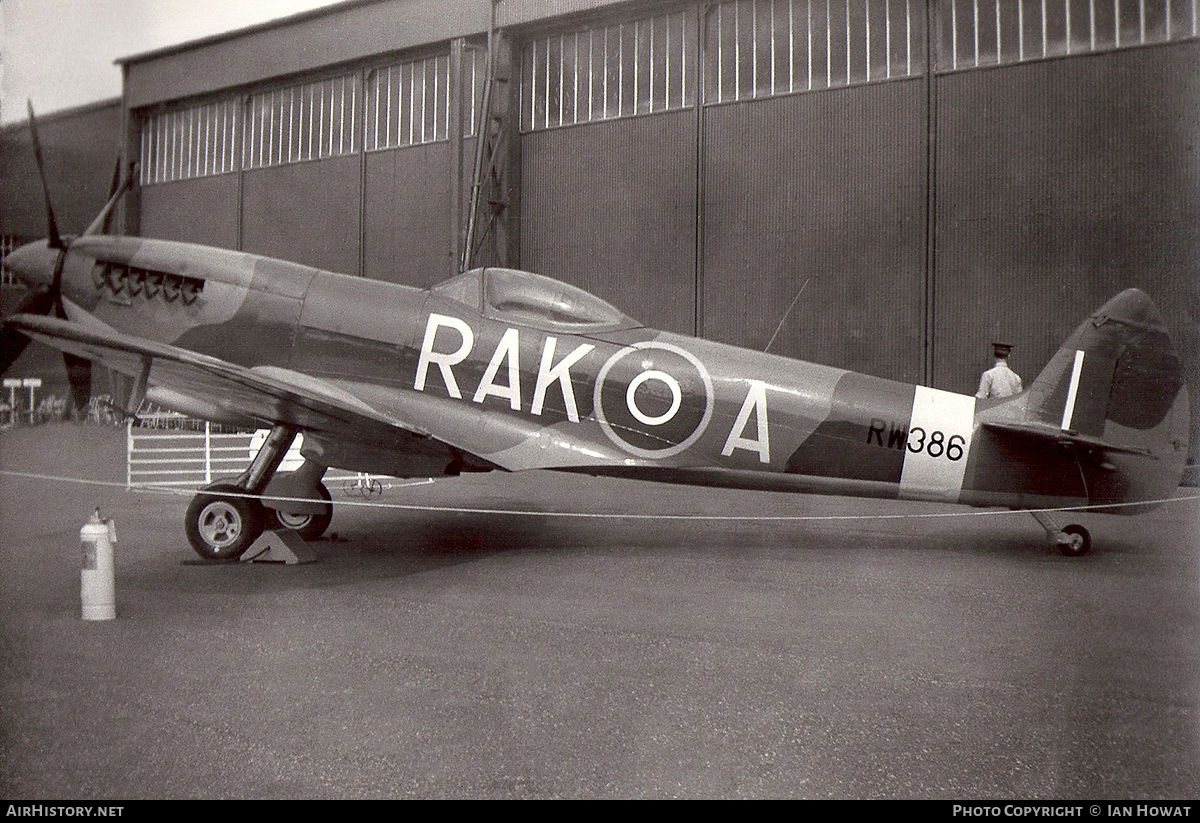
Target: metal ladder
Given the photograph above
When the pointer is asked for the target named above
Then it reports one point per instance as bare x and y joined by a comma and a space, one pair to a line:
490, 176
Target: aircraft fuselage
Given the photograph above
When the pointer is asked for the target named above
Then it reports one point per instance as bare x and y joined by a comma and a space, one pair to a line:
521, 389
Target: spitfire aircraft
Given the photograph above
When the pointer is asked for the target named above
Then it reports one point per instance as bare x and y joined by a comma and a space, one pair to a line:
504, 370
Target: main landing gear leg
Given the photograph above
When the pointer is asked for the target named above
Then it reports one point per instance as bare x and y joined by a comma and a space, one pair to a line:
1073, 540
225, 518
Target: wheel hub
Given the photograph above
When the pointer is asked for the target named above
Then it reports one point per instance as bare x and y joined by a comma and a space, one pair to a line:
294, 521
220, 524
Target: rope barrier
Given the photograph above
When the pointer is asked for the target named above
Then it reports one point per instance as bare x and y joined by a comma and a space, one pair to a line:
605, 515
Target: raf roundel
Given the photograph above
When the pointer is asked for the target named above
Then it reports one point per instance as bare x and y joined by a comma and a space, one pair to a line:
648, 399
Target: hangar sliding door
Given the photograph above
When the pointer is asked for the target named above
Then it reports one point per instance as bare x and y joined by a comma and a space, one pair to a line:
307, 213
300, 197
714, 220
407, 226
608, 164
193, 211
189, 163
407, 169
813, 182
818, 231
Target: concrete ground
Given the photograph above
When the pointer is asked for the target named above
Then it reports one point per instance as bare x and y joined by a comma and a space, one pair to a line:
441, 654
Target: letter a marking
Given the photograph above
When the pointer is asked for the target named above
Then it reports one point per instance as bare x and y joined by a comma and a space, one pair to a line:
507, 349
756, 401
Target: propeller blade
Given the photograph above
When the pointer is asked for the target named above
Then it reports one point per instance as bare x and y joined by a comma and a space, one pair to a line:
54, 239
44, 302
12, 341
12, 345
100, 224
116, 178
79, 375
40, 302
55, 292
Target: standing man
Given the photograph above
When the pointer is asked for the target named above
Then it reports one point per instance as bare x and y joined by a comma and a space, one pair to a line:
999, 380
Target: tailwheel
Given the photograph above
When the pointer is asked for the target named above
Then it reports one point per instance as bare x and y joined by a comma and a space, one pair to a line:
221, 522
307, 526
1074, 541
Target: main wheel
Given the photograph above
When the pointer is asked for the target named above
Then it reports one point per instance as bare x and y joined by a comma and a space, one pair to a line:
308, 526
1077, 541
221, 525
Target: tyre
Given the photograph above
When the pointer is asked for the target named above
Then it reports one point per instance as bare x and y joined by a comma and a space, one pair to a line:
221, 525
1077, 543
307, 526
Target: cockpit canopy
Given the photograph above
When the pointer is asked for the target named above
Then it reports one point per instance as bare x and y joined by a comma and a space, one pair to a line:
533, 300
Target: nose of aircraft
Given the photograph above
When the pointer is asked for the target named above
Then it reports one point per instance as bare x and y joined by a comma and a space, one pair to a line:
32, 264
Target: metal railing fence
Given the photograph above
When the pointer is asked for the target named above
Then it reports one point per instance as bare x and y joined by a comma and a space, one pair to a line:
166, 449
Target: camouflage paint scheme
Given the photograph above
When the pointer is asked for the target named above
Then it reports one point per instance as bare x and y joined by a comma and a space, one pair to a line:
499, 369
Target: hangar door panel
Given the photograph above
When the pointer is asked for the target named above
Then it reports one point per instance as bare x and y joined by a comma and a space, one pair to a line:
610, 207
304, 212
202, 210
808, 188
407, 215
1080, 182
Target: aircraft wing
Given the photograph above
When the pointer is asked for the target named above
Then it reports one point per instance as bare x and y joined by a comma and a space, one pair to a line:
348, 412
268, 393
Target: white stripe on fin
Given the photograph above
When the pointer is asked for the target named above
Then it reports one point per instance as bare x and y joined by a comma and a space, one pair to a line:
1073, 391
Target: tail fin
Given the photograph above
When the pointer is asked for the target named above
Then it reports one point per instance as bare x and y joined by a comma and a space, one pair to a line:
1119, 365
1118, 381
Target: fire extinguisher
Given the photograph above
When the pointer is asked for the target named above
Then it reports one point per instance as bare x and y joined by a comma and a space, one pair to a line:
97, 587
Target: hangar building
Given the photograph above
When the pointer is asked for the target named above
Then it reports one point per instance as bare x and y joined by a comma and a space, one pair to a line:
884, 185
79, 146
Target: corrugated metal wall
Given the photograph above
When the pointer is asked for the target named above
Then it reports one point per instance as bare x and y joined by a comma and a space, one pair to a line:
611, 207
306, 212
201, 210
821, 192
407, 238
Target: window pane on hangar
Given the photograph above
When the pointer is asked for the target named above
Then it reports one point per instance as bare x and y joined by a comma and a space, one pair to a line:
1181, 20
987, 32
763, 48
553, 82
643, 67
407, 104
567, 52
309, 121
1154, 22
877, 28
193, 141
626, 72
599, 73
